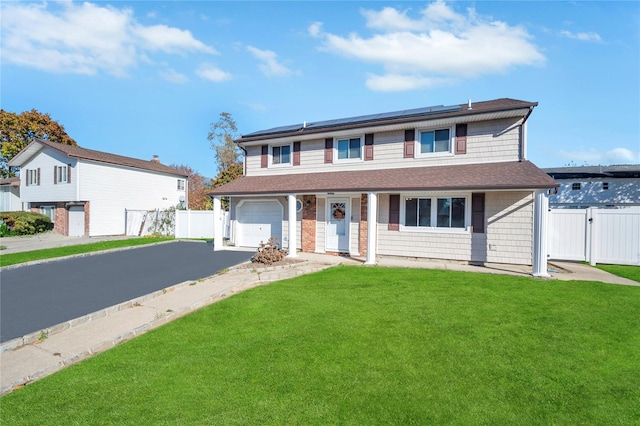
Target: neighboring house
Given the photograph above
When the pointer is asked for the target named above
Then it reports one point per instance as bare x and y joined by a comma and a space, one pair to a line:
87, 192
596, 186
10, 194
446, 182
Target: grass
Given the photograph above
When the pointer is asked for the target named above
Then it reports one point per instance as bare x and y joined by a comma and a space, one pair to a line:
50, 253
625, 271
354, 345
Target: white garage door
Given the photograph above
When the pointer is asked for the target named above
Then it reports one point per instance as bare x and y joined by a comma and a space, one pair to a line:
258, 221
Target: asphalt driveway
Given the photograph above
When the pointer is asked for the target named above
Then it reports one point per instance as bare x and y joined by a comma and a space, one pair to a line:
39, 296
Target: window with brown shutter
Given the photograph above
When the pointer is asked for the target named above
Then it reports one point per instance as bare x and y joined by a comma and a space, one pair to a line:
477, 213
328, 150
38, 177
296, 153
394, 212
461, 139
68, 173
368, 147
55, 175
409, 141
264, 159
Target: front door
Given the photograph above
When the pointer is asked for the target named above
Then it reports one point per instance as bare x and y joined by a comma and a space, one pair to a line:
338, 224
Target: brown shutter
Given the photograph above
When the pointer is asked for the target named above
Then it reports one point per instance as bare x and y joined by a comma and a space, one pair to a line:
409, 141
477, 213
461, 138
296, 153
394, 212
368, 147
55, 174
38, 177
264, 160
328, 150
68, 173
26, 172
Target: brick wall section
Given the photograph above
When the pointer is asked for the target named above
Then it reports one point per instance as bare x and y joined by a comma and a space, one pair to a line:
86, 218
62, 219
308, 223
363, 224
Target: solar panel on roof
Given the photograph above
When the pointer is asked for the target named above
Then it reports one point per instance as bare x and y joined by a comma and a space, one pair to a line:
281, 129
416, 112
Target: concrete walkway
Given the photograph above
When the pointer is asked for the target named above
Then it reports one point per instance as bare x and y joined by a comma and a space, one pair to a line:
37, 355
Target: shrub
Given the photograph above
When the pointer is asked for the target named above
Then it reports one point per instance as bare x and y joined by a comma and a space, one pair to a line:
24, 223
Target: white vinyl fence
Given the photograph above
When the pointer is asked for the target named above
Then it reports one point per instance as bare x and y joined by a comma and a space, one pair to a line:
199, 224
181, 223
595, 235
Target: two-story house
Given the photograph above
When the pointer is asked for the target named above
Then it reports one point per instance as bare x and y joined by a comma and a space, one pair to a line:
87, 192
596, 186
447, 182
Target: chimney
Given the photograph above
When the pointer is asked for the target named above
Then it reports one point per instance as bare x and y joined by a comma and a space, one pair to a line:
155, 159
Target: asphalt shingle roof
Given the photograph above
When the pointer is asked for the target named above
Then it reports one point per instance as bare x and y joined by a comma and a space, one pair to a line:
105, 157
475, 177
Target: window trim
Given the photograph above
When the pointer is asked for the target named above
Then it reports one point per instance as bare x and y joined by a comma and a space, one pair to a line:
336, 158
434, 203
418, 143
183, 181
270, 154
62, 174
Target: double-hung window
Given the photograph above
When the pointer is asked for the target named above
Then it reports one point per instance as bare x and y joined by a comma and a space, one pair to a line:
349, 149
281, 155
435, 212
180, 184
434, 141
61, 174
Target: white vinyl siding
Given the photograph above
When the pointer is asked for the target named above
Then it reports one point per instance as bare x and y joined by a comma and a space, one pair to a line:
47, 161
113, 189
487, 141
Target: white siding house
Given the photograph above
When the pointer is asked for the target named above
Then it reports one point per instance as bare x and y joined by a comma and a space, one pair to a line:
87, 192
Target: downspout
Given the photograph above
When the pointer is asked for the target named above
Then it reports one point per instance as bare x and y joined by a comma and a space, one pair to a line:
523, 136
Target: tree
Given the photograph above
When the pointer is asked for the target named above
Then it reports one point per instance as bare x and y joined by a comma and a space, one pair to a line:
19, 130
197, 188
222, 134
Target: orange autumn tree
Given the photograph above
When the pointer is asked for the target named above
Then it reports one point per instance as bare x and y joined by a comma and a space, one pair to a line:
197, 187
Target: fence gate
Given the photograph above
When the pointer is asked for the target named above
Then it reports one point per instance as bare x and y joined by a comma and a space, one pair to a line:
595, 235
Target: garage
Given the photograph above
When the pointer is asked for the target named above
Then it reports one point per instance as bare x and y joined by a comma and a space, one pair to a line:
257, 221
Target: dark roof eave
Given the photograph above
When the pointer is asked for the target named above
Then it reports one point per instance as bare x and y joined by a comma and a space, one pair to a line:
462, 113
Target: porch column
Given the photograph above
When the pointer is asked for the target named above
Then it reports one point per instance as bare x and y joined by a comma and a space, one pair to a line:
540, 215
217, 224
292, 227
372, 227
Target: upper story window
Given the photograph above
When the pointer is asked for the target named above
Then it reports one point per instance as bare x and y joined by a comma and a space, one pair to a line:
33, 177
575, 186
60, 174
349, 149
434, 141
605, 185
281, 155
435, 212
180, 184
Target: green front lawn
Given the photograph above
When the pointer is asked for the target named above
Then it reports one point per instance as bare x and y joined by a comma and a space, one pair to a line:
367, 346
625, 271
30, 256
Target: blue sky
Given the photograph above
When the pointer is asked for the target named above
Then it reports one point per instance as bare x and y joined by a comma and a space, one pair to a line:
147, 78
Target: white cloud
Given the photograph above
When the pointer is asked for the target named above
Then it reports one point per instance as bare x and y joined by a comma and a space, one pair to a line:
440, 45
85, 38
594, 157
212, 73
173, 76
269, 66
397, 82
590, 36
